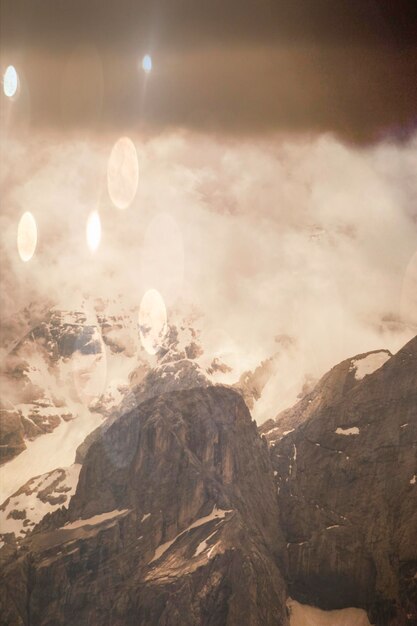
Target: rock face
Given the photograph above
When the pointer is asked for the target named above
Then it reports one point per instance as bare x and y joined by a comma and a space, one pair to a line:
169, 375
330, 389
346, 479
183, 516
174, 521
59, 364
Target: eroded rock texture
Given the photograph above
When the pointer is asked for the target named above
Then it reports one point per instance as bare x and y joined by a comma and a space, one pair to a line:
174, 521
348, 496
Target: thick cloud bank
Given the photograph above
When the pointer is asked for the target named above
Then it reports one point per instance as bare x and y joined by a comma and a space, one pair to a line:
305, 247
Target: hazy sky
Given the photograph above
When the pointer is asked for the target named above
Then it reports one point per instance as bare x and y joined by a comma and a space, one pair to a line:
234, 66
277, 157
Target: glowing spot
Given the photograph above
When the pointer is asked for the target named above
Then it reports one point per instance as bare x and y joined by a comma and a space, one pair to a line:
27, 236
93, 231
152, 321
10, 81
147, 63
123, 173
162, 264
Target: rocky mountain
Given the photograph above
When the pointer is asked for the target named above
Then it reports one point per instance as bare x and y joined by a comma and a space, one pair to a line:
174, 521
329, 390
71, 374
67, 364
59, 367
178, 509
347, 493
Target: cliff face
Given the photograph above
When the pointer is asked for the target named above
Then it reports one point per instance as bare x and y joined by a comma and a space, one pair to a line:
348, 496
174, 521
330, 390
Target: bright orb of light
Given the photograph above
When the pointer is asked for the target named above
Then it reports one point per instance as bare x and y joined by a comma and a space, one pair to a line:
27, 236
10, 81
152, 321
147, 63
123, 173
93, 231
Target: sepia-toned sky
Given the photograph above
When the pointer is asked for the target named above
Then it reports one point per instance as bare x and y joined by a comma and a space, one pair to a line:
277, 159
234, 66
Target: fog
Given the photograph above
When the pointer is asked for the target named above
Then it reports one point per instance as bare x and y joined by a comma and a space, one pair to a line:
302, 246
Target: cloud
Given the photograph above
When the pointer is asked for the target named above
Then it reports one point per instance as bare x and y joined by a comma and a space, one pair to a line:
307, 238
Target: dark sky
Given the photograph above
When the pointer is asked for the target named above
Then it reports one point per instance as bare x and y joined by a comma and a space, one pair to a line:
229, 66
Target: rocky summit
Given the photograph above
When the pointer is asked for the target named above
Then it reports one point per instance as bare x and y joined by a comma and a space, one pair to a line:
347, 494
180, 511
174, 521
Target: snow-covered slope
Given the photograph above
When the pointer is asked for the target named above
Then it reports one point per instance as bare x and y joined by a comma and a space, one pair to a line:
304, 615
70, 372
39, 496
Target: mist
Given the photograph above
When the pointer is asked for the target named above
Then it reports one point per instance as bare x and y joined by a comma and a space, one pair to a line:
300, 247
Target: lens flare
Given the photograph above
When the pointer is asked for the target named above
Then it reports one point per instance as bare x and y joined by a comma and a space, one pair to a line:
147, 63
10, 81
152, 321
93, 231
123, 173
27, 236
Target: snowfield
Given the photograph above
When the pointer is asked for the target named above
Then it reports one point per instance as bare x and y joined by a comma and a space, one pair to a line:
48, 452
304, 615
369, 364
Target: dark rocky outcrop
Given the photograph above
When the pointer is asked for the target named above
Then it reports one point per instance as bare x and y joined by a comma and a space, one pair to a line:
346, 479
184, 516
173, 375
180, 526
330, 389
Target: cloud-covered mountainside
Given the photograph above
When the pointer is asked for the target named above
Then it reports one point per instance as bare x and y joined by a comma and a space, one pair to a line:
158, 491
233, 474
306, 244
72, 372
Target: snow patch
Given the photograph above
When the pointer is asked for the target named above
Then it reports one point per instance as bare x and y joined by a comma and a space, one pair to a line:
25, 508
347, 431
215, 514
369, 364
413, 480
96, 519
203, 545
47, 452
210, 552
304, 615
145, 517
